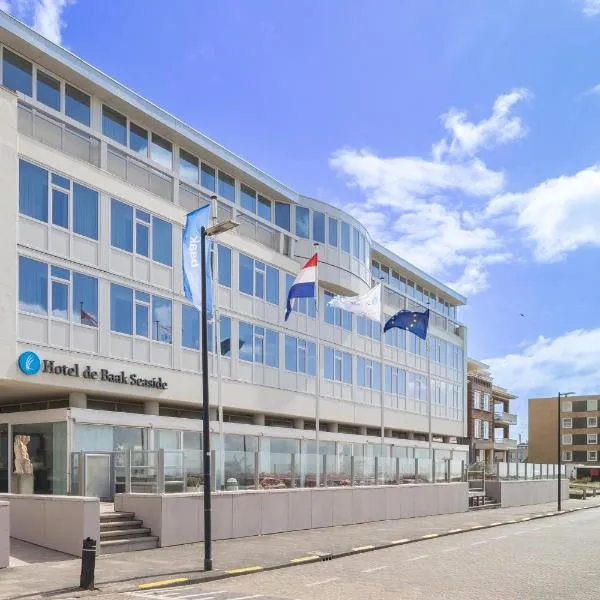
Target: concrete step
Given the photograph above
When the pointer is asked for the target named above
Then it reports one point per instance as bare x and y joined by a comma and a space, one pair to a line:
124, 524
124, 533
116, 516
133, 544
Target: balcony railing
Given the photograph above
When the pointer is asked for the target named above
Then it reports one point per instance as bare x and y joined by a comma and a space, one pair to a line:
505, 418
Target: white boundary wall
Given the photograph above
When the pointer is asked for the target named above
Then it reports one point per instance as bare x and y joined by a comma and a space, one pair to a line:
178, 518
4, 534
521, 493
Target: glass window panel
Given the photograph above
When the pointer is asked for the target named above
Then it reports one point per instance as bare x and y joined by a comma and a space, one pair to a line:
208, 177
347, 320
162, 319
33, 191
264, 208
282, 215
272, 348
247, 198
142, 296
60, 273
226, 186
328, 361
142, 239
312, 359
138, 139
142, 314
142, 215
161, 151
190, 327
291, 356
121, 225
60, 208
85, 211
121, 309
355, 243
402, 382
246, 275
302, 222
61, 181
360, 371
77, 105
225, 334
85, 299
33, 286
246, 342
17, 73
329, 310
347, 368
376, 376
272, 285
188, 166
345, 241
333, 232
60, 300
48, 90
162, 242
114, 125
259, 345
318, 227
259, 279
224, 265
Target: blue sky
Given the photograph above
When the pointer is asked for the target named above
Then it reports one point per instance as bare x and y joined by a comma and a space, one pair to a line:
466, 133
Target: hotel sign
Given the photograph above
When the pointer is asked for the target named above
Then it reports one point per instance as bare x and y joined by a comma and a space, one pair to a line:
30, 364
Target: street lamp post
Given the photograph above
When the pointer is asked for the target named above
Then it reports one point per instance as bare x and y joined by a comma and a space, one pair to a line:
559, 446
204, 233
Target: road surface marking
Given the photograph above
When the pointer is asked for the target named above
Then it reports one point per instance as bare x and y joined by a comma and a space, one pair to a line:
361, 548
495, 524
375, 569
303, 559
511, 521
400, 541
453, 549
244, 570
526, 519
246, 597
322, 582
550, 514
155, 584
479, 543
418, 557
455, 531
429, 536
477, 526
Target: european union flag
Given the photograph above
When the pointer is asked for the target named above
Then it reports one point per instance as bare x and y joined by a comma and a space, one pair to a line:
417, 322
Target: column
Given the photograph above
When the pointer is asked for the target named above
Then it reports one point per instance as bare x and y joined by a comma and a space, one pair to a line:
299, 423
333, 427
151, 407
77, 400
259, 420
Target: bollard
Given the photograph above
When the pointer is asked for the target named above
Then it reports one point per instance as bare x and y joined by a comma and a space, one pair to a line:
88, 564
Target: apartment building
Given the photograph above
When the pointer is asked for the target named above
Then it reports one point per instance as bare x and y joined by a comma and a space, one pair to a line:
579, 417
99, 348
489, 417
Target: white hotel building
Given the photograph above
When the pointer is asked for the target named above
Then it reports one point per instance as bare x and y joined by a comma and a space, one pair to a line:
96, 182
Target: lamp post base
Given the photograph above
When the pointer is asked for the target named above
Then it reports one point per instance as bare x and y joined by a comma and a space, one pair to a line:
208, 564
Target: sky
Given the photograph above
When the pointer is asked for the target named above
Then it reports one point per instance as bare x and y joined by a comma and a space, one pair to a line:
464, 133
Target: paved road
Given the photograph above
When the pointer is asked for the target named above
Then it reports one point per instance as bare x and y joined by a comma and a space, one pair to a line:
536, 560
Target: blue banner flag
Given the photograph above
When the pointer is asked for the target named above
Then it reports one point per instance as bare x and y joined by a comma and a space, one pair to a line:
417, 322
191, 253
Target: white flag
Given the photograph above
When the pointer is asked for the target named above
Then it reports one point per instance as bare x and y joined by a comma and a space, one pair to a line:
368, 305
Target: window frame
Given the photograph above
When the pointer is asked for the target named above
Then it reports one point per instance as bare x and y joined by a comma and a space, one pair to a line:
567, 423
567, 439
592, 438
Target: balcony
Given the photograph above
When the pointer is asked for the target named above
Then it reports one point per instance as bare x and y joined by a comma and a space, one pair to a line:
496, 444
504, 418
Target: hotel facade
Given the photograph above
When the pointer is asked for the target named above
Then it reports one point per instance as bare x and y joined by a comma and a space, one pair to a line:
100, 350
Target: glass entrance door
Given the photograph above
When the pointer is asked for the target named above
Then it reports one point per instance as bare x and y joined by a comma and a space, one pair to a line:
4, 454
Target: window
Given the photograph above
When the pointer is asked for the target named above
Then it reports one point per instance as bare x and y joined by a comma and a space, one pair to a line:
121, 309
138, 139
142, 233
395, 380
333, 232
477, 399
190, 327
486, 430
85, 211
345, 244
142, 314
259, 345
60, 280
121, 225
282, 215
337, 365
208, 177
224, 265
300, 356
368, 373
161, 151
477, 428
592, 455
486, 402
77, 105
567, 456
248, 198
305, 306
162, 330
226, 186
85, 300
336, 316
264, 208
225, 336
33, 191
567, 406
17, 73
567, 439
567, 423
355, 243
318, 227
61, 189
114, 125
33, 286
592, 421
258, 279
48, 90
592, 438
302, 217
162, 243
188, 166
592, 405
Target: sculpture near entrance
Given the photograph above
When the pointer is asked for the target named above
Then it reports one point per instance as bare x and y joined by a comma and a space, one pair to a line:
23, 464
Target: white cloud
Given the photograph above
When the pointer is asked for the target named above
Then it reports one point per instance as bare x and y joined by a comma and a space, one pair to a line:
422, 208
45, 16
467, 138
591, 8
594, 91
558, 216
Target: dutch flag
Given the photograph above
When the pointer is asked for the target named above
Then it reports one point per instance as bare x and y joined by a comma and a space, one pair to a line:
304, 284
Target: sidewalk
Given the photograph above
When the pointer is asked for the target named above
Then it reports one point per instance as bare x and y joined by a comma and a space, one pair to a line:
122, 572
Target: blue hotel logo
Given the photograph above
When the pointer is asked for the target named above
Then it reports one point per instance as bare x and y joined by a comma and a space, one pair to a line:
29, 363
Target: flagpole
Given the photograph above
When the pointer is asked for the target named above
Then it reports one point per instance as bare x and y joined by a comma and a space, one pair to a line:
429, 392
382, 373
318, 378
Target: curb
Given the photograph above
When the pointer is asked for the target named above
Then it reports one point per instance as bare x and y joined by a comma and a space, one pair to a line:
184, 581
